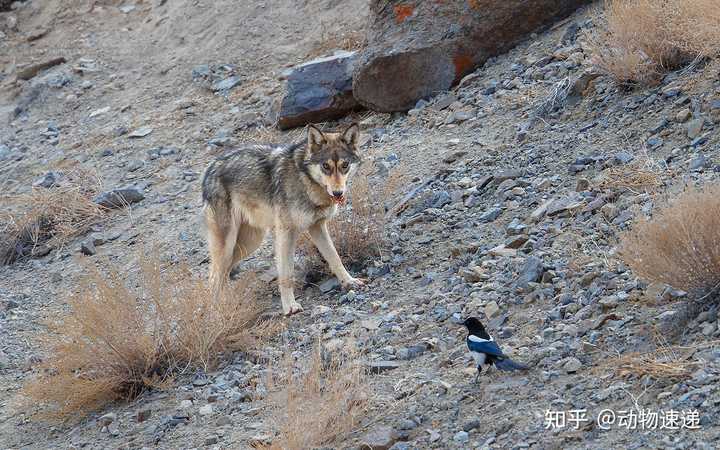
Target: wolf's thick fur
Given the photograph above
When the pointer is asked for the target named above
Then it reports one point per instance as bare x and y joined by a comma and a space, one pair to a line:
291, 189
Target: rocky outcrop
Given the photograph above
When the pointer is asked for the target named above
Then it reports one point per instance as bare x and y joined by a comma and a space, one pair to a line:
419, 48
318, 90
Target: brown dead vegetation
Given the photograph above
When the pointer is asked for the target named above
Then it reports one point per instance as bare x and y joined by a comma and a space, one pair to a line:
331, 41
679, 246
357, 230
642, 39
665, 362
117, 341
634, 177
45, 218
319, 404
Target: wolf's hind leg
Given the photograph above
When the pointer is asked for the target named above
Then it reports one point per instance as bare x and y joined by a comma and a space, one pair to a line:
222, 236
248, 240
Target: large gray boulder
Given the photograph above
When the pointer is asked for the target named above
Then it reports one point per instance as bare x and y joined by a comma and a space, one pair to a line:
318, 90
418, 48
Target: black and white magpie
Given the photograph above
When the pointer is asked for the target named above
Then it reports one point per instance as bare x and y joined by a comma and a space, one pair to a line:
485, 350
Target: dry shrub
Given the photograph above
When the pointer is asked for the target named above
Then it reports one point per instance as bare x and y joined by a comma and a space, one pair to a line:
317, 405
348, 40
357, 230
635, 177
48, 218
680, 246
118, 341
644, 38
666, 362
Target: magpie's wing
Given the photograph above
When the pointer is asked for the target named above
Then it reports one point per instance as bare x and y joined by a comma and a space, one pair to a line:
484, 346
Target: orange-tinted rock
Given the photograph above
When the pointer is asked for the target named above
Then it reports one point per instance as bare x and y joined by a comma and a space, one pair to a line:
418, 48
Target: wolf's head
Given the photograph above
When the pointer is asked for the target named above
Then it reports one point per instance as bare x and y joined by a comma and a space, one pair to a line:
331, 158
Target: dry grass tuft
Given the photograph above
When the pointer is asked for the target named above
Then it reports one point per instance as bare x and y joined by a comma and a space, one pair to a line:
357, 230
635, 177
118, 341
348, 40
318, 405
48, 218
665, 362
680, 245
644, 38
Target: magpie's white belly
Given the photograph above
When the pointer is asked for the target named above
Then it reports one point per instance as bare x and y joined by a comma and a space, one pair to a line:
479, 358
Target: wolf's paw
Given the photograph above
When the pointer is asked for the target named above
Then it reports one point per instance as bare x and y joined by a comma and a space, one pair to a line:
292, 308
354, 283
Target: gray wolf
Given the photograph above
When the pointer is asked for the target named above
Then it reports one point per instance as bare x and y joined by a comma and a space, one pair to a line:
289, 189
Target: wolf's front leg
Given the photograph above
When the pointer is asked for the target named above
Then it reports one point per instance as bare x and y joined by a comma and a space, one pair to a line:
285, 239
322, 240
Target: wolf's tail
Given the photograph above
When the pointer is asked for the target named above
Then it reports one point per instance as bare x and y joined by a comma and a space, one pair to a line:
508, 364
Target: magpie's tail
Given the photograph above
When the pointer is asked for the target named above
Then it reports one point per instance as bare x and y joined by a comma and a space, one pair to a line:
508, 364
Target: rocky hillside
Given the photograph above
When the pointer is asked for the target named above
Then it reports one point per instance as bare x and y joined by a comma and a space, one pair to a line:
506, 198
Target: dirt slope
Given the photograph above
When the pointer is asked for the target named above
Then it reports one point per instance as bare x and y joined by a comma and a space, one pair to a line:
556, 296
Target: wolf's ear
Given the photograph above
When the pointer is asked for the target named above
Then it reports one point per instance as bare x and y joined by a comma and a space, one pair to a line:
315, 137
351, 135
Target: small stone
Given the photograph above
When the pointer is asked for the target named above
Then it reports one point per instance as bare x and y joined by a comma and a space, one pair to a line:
461, 437
491, 309
223, 421
320, 310
501, 250
683, 116
609, 302
440, 199
118, 198
471, 425
140, 132
516, 242
509, 174
491, 214
709, 328
211, 440
186, 404
143, 415
623, 158
377, 367
87, 248
381, 438
411, 352
695, 127
582, 185
226, 84
472, 274
459, 117
107, 419
609, 211
206, 410
572, 365
531, 272
49, 180
134, 165
445, 100
329, 285
698, 163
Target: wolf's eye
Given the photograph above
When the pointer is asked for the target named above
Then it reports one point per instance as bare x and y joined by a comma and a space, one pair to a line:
345, 165
326, 167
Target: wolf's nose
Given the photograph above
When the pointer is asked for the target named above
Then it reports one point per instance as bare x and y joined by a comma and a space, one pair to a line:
338, 194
